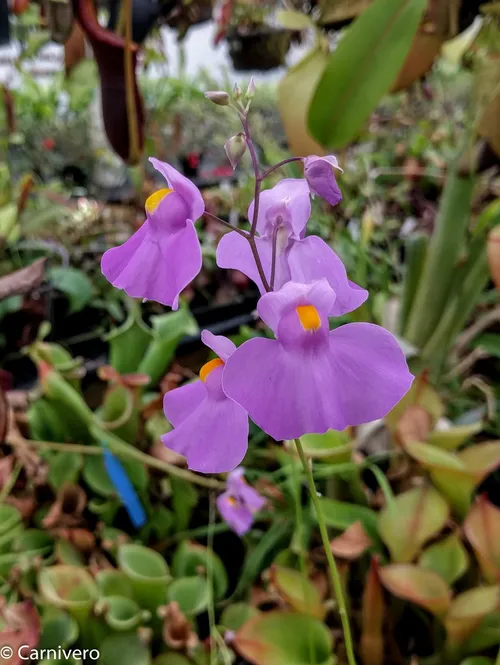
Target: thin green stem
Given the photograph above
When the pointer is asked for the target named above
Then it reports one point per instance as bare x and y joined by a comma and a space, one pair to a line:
123, 450
334, 573
210, 577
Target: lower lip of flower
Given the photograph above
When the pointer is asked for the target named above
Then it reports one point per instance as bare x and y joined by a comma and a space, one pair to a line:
209, 367
155, 199
309, 317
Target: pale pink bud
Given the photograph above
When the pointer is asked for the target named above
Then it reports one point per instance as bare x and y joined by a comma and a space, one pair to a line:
218, 97
235, 148
251, 89
236, 92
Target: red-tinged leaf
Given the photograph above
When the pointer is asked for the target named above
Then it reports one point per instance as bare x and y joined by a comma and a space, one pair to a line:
410, 520
352, 543
414, 425
22, 281
22, 628
482, 529
467, 611
372, 618
283, 638
417, 585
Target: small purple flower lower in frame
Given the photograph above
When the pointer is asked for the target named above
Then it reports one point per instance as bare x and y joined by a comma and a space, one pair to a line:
239, 503
164, 255
211, 430
283, 214
320, 175
310, 379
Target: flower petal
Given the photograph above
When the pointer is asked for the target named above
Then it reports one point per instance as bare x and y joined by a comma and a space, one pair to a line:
214, 438
238, 517
311, 259
247, 495
272, 306
290, 197
155, 265
359, 378
234, 252
183, 186
319, 173
219, 344
179, 403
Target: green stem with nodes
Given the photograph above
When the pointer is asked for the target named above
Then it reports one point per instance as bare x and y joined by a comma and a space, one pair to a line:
334, 573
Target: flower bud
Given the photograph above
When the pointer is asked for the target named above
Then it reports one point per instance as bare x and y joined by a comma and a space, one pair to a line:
218, 97
250, 90
236, 92
235, 148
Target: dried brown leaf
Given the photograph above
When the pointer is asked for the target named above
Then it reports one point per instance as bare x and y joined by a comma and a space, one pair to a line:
22, 281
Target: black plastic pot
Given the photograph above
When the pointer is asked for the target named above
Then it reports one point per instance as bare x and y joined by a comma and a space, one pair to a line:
260, 50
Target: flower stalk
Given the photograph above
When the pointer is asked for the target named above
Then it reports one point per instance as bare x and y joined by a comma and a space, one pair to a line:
332, 566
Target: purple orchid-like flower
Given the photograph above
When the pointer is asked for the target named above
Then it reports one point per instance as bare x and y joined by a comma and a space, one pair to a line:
310, 379
211, 430
164, 255
320, 175
239, 503
283, 214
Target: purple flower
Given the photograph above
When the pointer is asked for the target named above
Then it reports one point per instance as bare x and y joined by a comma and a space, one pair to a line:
283, 214
309, 379
211, 430
238, 504
319, 173
164, 255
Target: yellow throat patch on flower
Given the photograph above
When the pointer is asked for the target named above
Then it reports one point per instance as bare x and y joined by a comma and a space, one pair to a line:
209, 367
309, 317
155, 199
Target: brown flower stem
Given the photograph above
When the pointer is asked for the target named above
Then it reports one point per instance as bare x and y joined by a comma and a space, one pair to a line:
332, 566
278, 166
243, 233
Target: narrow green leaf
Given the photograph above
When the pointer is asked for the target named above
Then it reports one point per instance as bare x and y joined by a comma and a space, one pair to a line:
362, 68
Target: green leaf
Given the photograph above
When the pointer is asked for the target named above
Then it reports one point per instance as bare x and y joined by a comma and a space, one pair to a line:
121, 613
70, 588
340, 515
362, 68
468, 610
448, 558
273, 540
235, 616
148, 573
297, 591
190, 558
127, 648
168, 329
333, 447
74, 284
282, 638
184, 499
293, 20
59, 629
422, 587
192, 594
111, 582
414, 517
64, 467
452, 438
487, 634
